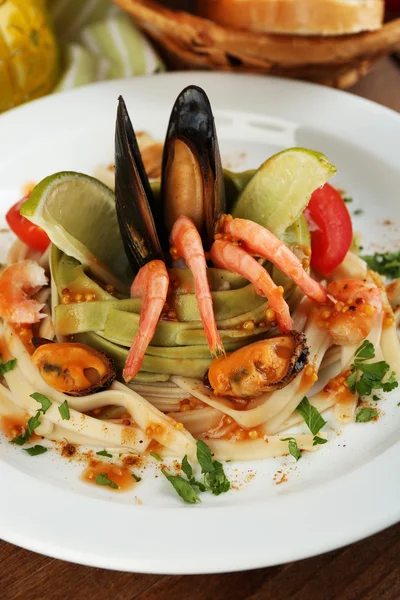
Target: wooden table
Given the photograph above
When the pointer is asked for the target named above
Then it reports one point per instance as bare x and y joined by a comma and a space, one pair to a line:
368, 570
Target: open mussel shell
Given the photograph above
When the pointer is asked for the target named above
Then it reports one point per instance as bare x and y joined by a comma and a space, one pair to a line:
192, 176
264, 366
72, 368
139, 216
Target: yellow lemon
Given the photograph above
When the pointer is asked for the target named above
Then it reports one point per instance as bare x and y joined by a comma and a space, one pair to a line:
28, 52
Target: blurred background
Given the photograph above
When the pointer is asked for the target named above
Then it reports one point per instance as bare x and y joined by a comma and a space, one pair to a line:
48, 46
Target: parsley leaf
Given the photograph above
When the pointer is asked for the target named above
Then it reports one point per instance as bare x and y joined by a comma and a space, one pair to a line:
365, 351
366, 414
294, 450
311, 416
104, 453
202, 487
8, 366
215, 479
204, 457
358, 211
391, 384
184, 489
156, 456
366, 376
102, 479
348, 199
318, 440
63, 409
186, 467
30, 427
136, 477
387, 263
35, 450
43, 400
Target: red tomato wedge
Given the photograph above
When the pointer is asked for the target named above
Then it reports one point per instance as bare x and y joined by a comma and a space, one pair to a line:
330, 227
30, 234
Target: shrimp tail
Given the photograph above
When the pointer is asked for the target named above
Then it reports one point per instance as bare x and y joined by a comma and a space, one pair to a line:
151, 284
259, 240
186, 241
226, 255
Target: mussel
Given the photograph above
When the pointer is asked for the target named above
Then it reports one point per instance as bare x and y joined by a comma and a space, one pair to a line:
192, 179
139, 217
260, 367
72, 368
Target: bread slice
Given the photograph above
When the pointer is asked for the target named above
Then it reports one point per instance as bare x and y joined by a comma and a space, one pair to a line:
304, 17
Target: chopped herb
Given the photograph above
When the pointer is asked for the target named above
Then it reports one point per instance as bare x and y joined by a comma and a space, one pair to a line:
366, 350
311, 416
375, 398
188, 471
156, 456
186, 467
202, 487
30, 427
136, 477
386, 263
204, 457
43, 400
184, 489
102, 479
348, 199
319, 440
358, 211
8, 366
36, 450
366, 376
391, 383
294, 450
104, 453
216, 481
214, 477
64, 411
366, 414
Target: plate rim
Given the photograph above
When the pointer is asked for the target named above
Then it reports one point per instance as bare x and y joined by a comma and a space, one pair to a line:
370, 473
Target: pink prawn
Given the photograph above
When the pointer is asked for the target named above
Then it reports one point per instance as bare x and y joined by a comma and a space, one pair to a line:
260, 241
228, 256
151, 284
187, 241
17, 283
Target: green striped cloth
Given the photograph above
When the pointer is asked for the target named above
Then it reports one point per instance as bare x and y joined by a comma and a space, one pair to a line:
98, 41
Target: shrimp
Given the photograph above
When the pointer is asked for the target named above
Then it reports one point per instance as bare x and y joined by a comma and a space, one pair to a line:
226, 255
17, 283
151, 284
354, 313
261, 241
186, 242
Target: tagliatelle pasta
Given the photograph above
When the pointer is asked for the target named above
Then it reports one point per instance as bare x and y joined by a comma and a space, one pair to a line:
201, 332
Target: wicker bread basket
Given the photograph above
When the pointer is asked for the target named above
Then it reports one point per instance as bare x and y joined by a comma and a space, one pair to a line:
187, 41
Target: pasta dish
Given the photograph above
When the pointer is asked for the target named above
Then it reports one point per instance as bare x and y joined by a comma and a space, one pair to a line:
173, 308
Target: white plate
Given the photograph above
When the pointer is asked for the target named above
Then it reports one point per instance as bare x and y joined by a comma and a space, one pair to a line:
347, 490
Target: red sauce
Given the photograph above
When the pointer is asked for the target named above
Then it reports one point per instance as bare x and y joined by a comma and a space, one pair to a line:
13, 425
121, 476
